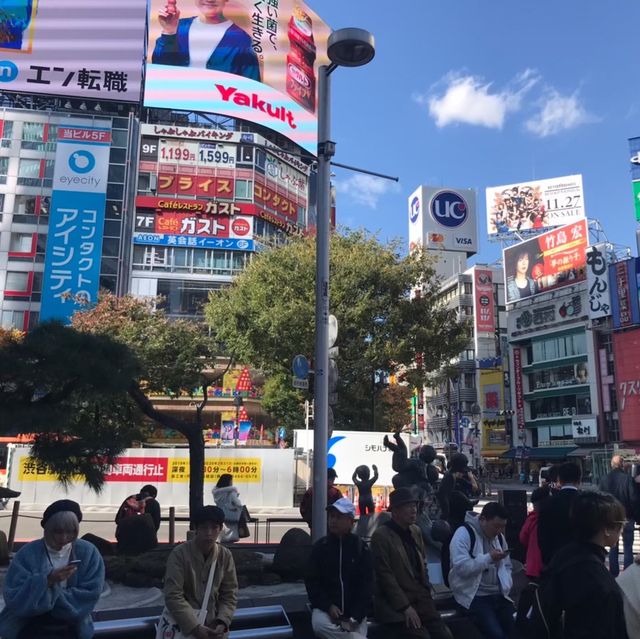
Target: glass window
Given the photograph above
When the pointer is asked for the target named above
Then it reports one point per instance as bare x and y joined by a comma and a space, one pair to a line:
21, 242
182, 259
112, 228
109, 266
245, 154
29, 172
13, 319
6, 132
17, 281
4, 169
115, 191
144, 182
33, 136
118, 156
116, 173
261, 160
244, 189
119, 138
110, 247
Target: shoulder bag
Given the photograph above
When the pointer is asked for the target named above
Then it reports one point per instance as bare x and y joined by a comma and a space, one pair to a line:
167, 627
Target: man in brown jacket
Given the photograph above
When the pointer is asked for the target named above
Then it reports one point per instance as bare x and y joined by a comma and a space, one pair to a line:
403, 601
186, 579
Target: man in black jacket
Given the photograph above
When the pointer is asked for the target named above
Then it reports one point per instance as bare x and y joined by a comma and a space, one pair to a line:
554, 526
620, 484
340, 578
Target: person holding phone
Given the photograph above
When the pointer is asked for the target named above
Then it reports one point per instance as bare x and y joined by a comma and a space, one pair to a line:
209, 40
53, 583
480, 576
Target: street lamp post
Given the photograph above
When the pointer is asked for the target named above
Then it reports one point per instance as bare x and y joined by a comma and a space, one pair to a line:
347, 48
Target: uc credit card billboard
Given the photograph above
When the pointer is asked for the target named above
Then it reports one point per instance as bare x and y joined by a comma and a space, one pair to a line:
546, 262
73, 48
443, 218
256, 60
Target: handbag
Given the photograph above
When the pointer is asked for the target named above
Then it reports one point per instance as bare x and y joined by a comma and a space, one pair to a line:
167, 627
243, 523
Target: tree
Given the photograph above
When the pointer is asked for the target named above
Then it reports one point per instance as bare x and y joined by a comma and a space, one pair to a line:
177, 358
70, 391
266, 317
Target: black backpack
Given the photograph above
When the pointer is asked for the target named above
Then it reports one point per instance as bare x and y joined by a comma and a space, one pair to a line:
472, 539
545, 617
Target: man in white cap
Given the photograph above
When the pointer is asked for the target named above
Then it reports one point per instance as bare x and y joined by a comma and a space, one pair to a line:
339, 577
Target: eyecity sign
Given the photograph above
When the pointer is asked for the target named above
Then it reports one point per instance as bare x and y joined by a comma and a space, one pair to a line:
444, 219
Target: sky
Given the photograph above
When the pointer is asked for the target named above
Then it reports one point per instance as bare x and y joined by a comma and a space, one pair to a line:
479, 93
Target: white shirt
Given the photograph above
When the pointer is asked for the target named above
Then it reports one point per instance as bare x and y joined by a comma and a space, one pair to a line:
59, 558
203, 39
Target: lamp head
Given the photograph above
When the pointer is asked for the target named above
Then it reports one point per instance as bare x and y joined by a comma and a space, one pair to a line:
351, 47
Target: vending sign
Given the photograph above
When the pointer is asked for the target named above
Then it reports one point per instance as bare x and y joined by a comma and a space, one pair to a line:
91, 50
74, 237
547, 262
483, 297
255, 60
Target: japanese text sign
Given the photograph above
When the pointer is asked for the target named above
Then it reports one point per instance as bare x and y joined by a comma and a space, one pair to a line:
624, 293
483, 297
74, 239
74, 48
626, 346
598, 282
546, 262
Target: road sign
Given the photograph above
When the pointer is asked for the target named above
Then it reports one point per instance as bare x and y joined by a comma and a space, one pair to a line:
302, 384
300, 367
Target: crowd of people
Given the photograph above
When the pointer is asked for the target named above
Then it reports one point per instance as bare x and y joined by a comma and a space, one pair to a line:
575, 587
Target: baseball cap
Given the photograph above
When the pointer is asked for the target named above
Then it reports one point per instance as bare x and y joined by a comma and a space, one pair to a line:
344, 506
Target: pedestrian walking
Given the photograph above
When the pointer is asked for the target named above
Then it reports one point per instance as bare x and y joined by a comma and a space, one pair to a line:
227, 497
340, 577
619, 483
403, 602
554, 524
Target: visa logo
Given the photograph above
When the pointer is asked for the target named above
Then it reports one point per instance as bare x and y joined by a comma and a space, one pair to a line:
464, 240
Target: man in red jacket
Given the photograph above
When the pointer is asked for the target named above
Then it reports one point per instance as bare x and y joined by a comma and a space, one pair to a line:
333, 494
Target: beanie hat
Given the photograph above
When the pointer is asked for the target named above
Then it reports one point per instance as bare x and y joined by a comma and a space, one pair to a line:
62, 505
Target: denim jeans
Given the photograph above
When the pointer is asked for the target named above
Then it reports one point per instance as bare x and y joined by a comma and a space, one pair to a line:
627, 540
493, 616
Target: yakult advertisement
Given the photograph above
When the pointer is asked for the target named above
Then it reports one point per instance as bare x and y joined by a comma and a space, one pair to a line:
256, 60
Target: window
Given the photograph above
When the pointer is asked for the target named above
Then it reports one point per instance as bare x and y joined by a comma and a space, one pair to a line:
21, 243
4, 169
17, 281
245, 154
33, 136
261, 160
244, 189
6, 133
31, 205
559, 347
13, 319
29, 172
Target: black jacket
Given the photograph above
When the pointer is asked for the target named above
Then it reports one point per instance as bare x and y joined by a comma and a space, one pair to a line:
624, 489
328, 580
590, 597
554, 527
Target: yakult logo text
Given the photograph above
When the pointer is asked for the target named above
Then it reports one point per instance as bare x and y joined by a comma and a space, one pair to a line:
253, 101
449, 209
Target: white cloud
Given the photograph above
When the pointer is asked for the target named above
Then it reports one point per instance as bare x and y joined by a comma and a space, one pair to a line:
469, 99
558, 113
365, 189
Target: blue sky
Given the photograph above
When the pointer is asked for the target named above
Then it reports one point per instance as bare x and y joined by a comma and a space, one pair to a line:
477, 93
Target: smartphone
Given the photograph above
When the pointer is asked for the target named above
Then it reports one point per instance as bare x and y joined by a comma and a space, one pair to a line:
75, 562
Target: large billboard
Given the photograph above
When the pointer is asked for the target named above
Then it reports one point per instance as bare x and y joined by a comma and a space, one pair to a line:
623, 283
76, 223
546, 262
534, 206
626, 346
256, 60
634, 159
84, 49
443, 219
